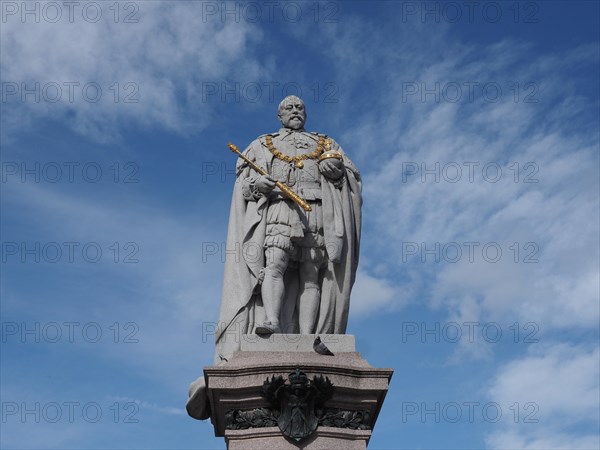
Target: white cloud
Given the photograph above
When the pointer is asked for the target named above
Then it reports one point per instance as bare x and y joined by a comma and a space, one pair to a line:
149, 406
549, 219
562, 380
165, 55
551, 440
371, 295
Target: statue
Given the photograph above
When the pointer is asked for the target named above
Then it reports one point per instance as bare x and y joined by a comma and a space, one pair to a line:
291, 257
292, 241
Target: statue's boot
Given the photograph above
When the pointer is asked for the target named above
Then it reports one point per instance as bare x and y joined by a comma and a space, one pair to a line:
268, 328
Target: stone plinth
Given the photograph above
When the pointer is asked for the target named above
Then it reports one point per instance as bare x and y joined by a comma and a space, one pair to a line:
325, 438
248, 420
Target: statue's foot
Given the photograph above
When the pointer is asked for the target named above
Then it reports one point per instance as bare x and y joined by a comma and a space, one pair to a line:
268, 328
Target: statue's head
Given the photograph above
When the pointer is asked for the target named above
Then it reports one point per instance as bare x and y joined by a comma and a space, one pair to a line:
292, 112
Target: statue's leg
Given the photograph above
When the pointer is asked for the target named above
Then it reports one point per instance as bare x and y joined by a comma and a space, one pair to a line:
289, 315
310, 296
273, 288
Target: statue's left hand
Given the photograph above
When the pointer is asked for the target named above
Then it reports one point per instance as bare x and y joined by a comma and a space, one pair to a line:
332, 168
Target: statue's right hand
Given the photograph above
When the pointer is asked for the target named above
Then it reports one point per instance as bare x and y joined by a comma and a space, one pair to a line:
265, 184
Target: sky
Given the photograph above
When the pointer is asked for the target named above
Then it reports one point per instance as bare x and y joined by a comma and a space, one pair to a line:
475, 126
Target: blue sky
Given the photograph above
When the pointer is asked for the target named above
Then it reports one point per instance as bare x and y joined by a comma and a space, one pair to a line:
476, 132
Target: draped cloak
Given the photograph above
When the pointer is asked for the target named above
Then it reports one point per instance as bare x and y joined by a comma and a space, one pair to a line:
241, 303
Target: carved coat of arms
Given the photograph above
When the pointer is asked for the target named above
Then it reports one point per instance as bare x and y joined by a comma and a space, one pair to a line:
297, 400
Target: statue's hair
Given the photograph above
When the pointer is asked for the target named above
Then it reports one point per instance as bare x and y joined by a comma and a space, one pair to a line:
289, 98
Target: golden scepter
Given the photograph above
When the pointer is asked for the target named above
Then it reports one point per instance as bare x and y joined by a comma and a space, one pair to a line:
285, 189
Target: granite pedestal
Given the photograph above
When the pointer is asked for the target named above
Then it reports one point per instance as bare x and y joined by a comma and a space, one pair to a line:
247, 420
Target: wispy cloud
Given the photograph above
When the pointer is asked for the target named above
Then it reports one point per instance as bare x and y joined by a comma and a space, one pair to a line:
173, 290
557, 392
148, 71
519, 176
149, 406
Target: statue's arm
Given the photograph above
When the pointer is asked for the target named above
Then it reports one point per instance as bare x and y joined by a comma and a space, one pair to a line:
247, 177
343, 168
348, 164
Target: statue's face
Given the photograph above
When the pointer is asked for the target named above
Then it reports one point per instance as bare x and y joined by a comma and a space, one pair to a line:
293, 114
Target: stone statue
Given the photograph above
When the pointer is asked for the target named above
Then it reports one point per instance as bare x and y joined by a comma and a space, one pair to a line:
290, 269
292, 241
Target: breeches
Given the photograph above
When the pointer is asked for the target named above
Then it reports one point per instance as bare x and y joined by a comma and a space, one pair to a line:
298, 232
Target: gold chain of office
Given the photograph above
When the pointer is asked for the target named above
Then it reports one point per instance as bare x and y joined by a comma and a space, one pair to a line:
298, 160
